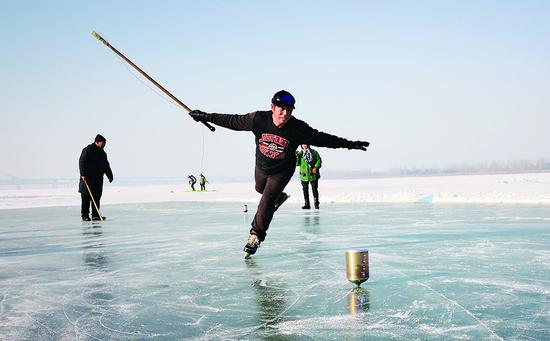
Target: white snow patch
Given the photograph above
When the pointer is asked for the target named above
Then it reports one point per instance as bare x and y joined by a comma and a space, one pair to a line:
530, 188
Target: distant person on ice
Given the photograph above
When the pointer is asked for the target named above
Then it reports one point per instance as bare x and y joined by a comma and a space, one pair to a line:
277, 134
93, 164
309, 162
192, 181
202, 182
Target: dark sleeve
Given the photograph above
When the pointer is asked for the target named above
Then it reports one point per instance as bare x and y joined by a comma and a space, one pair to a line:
298, 158
318, 138
319, 162
108, 170
233, 122
82, 160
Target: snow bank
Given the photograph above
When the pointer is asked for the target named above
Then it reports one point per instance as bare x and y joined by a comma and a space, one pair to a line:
530, 188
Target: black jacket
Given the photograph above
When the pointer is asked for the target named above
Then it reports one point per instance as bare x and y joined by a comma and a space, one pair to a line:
275, 147
93, 164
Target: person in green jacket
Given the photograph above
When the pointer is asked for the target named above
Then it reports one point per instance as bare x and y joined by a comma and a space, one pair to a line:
309, 161
202, 182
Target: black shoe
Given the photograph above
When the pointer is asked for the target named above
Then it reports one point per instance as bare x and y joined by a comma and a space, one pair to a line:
306, 207
84, 218
251, 246
98, 219
282, 198
316, 205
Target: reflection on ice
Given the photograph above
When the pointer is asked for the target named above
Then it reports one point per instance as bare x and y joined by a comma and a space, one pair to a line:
94, 256
358, 300
270, 296
312, 221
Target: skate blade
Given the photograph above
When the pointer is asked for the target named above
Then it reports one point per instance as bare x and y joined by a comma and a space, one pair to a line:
281, 203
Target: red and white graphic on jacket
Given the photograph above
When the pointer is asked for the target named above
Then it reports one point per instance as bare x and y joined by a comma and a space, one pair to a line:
273, 146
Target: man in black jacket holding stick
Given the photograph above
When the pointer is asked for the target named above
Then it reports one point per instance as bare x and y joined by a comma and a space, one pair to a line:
93, 164
278, 134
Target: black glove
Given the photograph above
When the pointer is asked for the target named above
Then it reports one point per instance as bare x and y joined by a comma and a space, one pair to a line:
110, 180
197, 115
358, 145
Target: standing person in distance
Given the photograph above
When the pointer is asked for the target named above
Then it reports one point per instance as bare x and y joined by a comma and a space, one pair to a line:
309, 162
192, 181
93, 164
202, 182
278, 134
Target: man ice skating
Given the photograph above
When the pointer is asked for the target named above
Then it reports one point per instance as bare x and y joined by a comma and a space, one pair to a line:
93, 165
277, 134
309, 162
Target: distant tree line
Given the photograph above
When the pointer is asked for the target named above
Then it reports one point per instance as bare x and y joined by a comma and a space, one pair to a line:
521, 166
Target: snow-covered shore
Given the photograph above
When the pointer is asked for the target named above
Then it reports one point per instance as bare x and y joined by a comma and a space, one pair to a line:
528, 188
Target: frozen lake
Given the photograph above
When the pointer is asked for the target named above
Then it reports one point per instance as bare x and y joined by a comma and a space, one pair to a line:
176, 270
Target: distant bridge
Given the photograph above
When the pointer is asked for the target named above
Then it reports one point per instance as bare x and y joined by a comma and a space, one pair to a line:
8, 181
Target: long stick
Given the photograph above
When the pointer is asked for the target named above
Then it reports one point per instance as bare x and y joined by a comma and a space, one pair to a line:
93, 200
106, 43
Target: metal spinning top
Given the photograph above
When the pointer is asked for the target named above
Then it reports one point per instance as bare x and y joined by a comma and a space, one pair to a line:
357, 266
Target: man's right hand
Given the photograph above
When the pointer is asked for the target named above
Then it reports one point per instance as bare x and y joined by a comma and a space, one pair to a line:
358, 145
197, 115
83, 177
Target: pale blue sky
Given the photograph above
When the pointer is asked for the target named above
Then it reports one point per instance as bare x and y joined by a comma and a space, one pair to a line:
428, 83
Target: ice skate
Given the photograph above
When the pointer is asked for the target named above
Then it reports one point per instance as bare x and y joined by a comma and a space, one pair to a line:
251, 246
282, 198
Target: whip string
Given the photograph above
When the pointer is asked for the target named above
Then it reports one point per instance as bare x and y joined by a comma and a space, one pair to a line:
202, 156
140, 79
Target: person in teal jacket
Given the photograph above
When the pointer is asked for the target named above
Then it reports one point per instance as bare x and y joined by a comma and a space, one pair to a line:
309, 161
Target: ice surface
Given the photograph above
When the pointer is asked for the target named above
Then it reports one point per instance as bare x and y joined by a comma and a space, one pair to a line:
175, 270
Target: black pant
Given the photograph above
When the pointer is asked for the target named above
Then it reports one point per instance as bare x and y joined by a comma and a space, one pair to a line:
314, 189
271, 187
203, 187
97, 189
